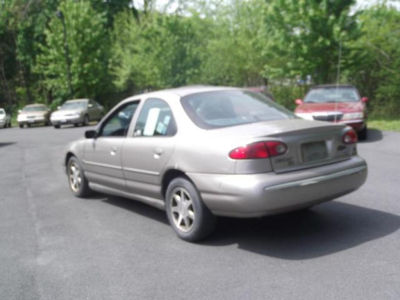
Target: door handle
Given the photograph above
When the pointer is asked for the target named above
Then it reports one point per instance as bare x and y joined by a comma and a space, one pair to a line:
157, 153
113, 151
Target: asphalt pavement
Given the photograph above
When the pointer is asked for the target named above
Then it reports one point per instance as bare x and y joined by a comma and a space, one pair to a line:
54, 246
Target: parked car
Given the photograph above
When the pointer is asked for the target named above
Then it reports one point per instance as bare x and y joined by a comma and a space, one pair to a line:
5, 119
33, 114
335, 103
201, 152
77, 112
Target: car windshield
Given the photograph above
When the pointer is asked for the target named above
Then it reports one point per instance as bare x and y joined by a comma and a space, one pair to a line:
34, 108
217, 109
2, 112
332, 95
73, 105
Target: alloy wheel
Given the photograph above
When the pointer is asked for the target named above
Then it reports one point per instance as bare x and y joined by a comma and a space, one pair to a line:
75, 178
182, 209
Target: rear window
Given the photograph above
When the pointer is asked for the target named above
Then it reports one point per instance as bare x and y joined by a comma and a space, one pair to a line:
332, 95
34, 108
218, 109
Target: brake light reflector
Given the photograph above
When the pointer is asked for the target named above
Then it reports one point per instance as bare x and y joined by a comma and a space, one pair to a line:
259, 150
350, 137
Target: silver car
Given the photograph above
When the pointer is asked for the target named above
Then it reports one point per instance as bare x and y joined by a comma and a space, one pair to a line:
77, 112
201, 152
5, 119
33, 114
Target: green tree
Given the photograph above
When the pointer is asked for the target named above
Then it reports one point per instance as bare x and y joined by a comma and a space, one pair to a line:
83, 52
159, 51
304, 37
377, 53
233, 55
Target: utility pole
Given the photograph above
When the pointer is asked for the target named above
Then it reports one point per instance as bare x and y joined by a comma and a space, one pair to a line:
60, 15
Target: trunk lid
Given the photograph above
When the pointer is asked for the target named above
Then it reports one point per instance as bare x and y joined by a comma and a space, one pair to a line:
310, 143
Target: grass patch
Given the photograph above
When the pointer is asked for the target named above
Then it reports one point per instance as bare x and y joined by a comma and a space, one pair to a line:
388, 124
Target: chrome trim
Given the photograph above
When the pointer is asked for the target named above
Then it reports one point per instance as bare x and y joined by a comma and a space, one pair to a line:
101, 165
315, 180
141, 171
352, 121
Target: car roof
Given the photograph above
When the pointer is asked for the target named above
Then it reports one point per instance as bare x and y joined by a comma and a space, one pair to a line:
77, 100
333, 86
35, 104
185, 91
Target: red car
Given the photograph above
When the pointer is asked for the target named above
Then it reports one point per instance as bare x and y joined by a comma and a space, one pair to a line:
335, 103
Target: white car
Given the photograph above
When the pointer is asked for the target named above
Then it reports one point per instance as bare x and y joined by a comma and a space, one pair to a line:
5, 119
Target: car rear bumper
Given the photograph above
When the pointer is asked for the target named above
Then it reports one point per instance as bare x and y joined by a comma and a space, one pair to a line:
357, 125
66, 121
255, 195
32, 122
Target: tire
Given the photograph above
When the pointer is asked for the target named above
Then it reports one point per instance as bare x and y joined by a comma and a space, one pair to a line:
77, 181
193, 221
85, 120
362, 135
21, 125
57, 126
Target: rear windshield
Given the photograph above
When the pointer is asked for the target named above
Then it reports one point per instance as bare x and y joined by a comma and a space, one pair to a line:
34, 108
74, 105
332, 95
218, 109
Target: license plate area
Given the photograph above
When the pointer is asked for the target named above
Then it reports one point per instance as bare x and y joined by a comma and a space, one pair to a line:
314, 151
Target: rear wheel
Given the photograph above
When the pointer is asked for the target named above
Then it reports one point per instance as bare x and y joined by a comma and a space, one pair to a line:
21, 125
362, 135
56, 126
86, 120
78, 183
186, 212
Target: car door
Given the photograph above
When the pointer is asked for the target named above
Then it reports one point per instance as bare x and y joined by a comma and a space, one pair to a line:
146, 152
92, 110
102, 155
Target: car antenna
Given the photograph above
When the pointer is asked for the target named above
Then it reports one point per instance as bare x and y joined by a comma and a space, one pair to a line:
338, 74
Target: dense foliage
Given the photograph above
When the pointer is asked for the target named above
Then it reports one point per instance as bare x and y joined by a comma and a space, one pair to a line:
53, 50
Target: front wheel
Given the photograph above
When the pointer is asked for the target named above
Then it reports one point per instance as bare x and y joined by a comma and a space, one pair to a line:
85, 120
78, 183
362, 135
186, 212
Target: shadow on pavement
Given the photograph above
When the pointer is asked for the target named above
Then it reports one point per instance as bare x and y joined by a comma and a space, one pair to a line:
323, 230
6, 144
138, 208
374, 135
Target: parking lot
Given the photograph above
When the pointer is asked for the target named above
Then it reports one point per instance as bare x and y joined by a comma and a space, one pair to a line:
55, 246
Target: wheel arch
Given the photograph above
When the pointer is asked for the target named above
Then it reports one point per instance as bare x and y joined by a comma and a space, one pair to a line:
67, 157
170, 175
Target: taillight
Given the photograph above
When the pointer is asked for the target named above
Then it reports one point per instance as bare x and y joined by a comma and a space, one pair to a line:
350, 137
259, 150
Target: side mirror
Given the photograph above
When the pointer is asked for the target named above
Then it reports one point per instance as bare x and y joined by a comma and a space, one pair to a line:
90, 134
298, 102
364, 99
58, 107
90, 105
